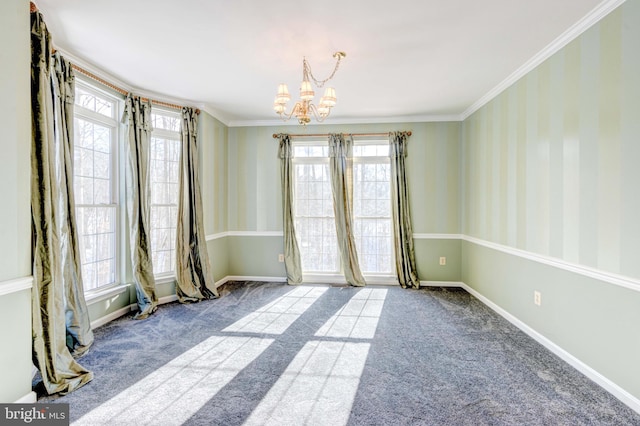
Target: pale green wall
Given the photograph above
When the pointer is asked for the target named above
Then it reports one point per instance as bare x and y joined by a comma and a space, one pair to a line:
428, 253
255, 256
15, 215
219, 257
15, 142
550, 166
102, 308
214, 174
255, 199
15, 356
213, 140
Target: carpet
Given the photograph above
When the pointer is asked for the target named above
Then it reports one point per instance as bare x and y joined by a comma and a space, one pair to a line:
267, 353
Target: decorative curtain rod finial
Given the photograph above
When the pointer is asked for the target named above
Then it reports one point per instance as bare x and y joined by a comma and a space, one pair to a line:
33, 7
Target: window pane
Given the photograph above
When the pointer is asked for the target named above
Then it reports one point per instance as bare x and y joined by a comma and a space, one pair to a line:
317, 151
95, 103
372, 210
101, 166
164, 166
101, 191
314, 217
93, 188
165, 122
97, 245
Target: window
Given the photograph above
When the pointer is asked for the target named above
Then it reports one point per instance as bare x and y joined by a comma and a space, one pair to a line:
372, 207
95, 183
314, 215
314, 218
164, 171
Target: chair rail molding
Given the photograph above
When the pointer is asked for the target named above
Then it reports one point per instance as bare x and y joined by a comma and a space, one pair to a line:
15, 285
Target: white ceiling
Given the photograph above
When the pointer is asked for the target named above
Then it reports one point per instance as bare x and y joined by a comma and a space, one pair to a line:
407, 60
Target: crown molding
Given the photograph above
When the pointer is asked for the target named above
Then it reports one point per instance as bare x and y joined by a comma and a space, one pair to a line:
335, 121
573, 32
82, 63
217, 114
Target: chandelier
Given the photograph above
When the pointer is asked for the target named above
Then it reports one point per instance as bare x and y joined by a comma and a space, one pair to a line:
304, 108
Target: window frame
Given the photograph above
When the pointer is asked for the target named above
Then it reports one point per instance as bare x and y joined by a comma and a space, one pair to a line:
338, 276
377, 277
167, 276
332, 276
116, 182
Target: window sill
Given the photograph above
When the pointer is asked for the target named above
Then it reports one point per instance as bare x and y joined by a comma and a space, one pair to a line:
98, 295
165, 279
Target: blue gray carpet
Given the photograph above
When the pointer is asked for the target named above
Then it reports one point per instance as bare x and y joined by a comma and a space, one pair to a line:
267, 353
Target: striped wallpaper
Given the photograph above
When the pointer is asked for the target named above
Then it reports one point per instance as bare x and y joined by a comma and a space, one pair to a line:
552, 165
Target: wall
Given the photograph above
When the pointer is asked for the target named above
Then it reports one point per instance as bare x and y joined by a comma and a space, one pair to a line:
254, 199
550, 171
213, 147
15, 215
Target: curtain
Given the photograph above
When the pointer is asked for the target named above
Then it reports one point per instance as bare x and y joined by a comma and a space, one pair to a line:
194, 278
79, 334
292, 262
341, 170
137, 117
57, 287
401, 216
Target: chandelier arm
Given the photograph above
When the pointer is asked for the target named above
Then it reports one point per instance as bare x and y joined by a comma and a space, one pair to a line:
316, 114
285, 116
307, 69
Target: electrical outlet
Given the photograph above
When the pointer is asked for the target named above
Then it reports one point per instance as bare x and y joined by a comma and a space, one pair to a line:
443, 261
281, 258
537, 298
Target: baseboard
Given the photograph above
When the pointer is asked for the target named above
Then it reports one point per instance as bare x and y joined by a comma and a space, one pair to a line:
112, 316
29, 398
222, 281
124, 311
441, 284
254, 278
168, 299
624, 396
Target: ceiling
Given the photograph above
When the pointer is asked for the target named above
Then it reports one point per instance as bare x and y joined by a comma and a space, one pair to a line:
407, 60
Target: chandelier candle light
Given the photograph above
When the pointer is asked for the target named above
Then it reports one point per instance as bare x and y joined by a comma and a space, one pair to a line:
304, 108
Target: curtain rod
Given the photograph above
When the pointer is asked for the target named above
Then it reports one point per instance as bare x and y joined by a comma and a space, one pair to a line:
315, 135
122, 91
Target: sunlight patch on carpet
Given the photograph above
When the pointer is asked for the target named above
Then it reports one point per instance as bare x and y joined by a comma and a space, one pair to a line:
358, 319
317, 388
277, 316
320, 384
181, 387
